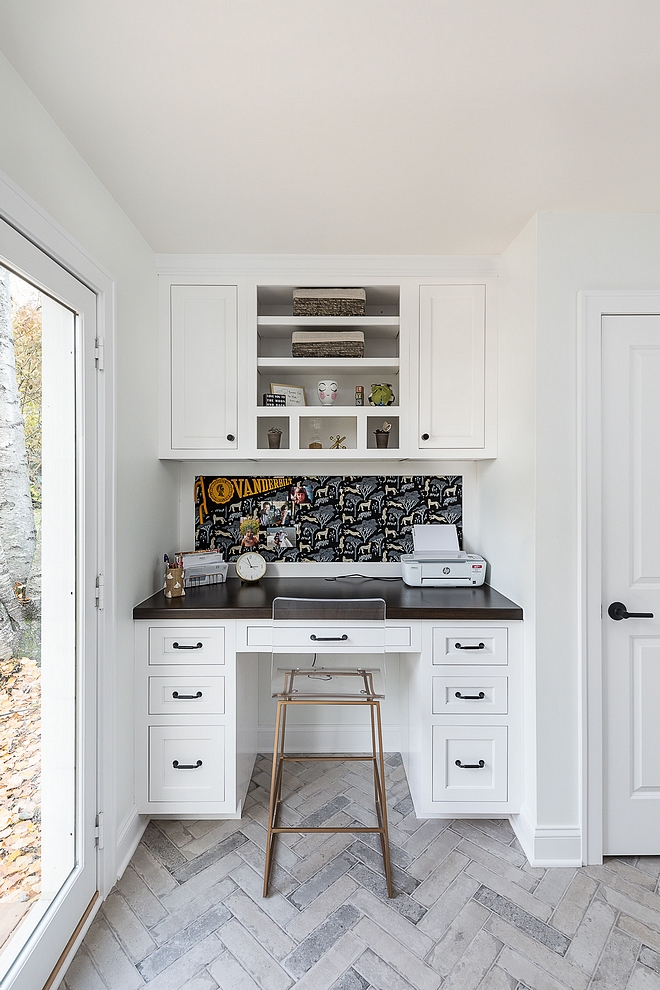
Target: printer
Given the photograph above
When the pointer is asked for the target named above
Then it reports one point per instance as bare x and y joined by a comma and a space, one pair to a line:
437, 561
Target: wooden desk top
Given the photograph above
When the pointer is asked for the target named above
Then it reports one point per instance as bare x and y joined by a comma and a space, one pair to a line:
234, 600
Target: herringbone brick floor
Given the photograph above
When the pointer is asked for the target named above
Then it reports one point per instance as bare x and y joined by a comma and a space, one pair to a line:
469, 912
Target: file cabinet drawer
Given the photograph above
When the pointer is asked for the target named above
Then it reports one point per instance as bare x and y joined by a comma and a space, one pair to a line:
482, 646
186, 763
183, 645
470, 763
483, 695
186, 695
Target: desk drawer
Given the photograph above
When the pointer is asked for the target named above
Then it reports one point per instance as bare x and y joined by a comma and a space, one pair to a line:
185, 645
470, 745
186, 695
483, 695
470, 645
360, 638
198, 751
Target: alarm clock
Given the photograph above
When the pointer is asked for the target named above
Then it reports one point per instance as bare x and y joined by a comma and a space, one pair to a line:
250, 567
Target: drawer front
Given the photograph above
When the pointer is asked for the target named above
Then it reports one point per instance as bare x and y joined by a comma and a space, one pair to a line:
187, 747
186, 695
469, 745
296, 638
483, 695
185, 645
470, 645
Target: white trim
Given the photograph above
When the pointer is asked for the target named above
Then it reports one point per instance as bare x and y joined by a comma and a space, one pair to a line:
27, 217
129, 833
545, 847
323, 266
592, 306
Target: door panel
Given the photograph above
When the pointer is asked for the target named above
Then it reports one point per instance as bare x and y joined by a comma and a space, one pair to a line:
631, 575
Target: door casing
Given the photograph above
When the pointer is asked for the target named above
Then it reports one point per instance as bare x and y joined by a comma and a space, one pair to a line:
592, 307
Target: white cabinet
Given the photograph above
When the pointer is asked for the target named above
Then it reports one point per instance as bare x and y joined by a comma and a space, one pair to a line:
195, 719
223, 346
464, 701
200, 366
456, 383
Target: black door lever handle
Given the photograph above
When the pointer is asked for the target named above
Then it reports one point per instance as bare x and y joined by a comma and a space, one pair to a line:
618, 610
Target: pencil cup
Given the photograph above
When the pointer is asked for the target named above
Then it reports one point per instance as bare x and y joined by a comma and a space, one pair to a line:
174, 582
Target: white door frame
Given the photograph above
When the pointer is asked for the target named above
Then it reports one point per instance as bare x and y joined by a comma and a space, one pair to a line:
27, 217
592, 307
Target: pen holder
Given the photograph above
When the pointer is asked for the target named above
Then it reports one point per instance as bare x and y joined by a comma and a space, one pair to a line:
174, 582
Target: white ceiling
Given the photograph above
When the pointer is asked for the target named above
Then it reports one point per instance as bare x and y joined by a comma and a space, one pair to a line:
350, 126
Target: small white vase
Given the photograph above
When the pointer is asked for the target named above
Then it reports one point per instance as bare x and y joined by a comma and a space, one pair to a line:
327, 392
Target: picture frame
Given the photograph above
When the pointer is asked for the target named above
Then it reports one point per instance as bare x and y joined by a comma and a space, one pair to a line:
295, 394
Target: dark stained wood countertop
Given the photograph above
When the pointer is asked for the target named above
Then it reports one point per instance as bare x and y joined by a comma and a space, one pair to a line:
234, 600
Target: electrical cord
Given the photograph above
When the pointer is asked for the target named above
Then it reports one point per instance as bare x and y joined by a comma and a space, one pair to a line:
364, 577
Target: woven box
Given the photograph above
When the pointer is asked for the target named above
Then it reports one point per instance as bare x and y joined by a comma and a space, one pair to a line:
348, 343
329, 302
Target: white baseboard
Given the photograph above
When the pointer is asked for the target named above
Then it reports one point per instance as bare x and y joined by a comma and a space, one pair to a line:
329, 739
129, 834
546, 847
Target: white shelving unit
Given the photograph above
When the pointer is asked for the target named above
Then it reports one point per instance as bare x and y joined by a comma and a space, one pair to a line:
276, 365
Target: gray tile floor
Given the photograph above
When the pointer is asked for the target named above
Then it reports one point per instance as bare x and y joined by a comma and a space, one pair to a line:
469, 912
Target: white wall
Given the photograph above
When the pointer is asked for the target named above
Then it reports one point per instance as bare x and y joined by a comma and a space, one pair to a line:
37, 156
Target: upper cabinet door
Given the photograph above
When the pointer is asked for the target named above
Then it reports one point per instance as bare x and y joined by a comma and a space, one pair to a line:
452, 367
204, 370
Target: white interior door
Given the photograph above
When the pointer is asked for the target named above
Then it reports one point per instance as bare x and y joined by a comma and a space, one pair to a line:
631, 584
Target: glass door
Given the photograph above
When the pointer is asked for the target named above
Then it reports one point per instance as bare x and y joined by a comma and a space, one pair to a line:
48, 625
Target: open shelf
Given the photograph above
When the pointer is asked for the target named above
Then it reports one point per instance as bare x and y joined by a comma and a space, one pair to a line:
356, 423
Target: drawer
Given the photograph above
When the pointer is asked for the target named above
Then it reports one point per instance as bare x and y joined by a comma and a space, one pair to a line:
469, 645
186, 763
362, 638
186, 695
483, 695
186, 645
469, 745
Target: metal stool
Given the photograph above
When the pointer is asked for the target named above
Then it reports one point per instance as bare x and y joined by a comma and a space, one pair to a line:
300, 626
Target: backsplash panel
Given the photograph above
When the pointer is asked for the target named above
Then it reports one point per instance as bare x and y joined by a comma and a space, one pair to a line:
322, 519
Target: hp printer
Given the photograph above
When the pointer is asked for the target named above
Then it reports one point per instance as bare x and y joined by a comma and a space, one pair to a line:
437, 561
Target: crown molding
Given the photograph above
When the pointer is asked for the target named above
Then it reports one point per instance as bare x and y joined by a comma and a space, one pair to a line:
360, 265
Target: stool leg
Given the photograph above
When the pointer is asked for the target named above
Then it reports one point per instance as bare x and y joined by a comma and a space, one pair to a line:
380, 791
275, 789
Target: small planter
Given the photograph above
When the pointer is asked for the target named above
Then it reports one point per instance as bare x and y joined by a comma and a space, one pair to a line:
274, 438
382, 438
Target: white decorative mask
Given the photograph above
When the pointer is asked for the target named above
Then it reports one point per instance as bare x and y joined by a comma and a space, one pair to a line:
327, 392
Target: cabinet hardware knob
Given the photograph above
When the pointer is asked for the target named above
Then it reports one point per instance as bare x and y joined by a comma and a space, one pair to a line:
480, 647
425, 436
470, 697
186, 697
328, 639
176, 646
186, 766
618, 610
471, 766
231, 437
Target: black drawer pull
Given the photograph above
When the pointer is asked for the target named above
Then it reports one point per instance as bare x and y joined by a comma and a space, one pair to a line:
328, 639
186, 766
471, 697
175, 646
186, 697
471, 766
480, 647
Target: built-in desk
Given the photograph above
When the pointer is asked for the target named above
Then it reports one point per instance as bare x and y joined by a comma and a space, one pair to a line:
456, 688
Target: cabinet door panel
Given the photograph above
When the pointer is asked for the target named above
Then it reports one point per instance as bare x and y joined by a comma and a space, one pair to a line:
204, 395
452, 366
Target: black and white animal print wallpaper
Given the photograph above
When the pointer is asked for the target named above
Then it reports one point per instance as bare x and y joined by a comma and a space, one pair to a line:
367, 518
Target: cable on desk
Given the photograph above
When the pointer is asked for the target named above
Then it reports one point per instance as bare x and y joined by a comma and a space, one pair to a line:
365, 577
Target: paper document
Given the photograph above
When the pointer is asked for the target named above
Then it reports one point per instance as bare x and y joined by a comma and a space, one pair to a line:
441, 540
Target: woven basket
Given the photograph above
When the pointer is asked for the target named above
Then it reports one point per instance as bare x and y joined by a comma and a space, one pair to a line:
329, 302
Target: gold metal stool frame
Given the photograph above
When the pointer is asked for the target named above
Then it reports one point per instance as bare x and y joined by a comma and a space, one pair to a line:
365, 696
